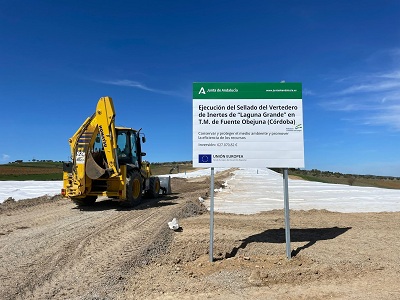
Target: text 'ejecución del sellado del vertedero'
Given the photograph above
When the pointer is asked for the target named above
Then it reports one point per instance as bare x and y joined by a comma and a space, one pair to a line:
247, 114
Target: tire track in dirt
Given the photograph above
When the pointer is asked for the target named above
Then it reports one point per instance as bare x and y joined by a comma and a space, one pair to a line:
29, 257
54, 250
83, 247
97, 256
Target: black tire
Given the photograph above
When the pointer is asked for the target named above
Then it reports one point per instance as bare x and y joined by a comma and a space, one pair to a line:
87, 201
134, 189
154, 187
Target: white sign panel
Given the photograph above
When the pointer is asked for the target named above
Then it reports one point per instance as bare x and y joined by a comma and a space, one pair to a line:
248, 125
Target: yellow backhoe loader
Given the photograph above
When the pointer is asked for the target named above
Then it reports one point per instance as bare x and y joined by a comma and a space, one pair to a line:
107, 161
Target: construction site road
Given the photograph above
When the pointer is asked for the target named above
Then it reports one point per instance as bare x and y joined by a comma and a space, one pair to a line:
52, 249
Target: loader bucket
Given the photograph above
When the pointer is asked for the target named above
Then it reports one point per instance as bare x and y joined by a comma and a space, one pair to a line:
165, 185
93, 170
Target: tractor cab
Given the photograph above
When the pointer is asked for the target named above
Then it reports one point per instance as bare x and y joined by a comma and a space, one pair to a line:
128, 146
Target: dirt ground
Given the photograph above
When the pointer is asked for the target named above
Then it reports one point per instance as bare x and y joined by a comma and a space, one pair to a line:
51, 249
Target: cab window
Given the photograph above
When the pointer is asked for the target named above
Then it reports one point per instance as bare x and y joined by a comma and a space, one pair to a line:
122, 145
134, 147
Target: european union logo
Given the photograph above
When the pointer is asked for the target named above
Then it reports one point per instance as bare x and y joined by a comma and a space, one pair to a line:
204, 158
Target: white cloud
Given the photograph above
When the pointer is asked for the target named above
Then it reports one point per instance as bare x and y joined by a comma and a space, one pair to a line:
387, 116
5, 157
136, 84
348, 104
307, 92
373, 98
392, 75
376, 86
129, 83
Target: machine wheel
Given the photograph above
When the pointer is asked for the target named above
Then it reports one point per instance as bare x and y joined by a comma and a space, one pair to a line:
134, 189
154, 187
87, 201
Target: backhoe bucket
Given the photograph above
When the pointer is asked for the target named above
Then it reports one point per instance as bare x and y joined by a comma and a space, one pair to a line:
93, 170
165, 185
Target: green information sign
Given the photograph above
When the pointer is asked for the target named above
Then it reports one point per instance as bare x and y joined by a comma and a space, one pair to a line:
248, 125
242, 90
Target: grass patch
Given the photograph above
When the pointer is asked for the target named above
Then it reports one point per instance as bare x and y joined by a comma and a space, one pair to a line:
313, 178
49, 165
37, 177
44, 171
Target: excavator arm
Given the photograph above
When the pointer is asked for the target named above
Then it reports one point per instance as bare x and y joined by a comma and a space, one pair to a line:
105, 120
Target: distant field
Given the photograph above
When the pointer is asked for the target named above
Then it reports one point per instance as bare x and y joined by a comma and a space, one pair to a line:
348, 179
31, 171
162, 169
53, 170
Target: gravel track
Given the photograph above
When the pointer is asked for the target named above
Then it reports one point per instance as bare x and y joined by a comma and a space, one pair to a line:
52, 249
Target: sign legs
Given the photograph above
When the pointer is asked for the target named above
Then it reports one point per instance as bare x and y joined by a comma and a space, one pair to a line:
212, 215
287, 218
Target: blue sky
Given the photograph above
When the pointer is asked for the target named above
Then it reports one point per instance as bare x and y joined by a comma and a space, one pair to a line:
57, 58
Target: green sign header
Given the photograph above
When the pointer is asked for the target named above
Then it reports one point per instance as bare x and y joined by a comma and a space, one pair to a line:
246, 90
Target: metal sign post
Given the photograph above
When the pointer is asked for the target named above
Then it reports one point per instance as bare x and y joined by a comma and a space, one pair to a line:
212, 215
286, 204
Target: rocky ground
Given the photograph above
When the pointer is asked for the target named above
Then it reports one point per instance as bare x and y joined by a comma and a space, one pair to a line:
51, 249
